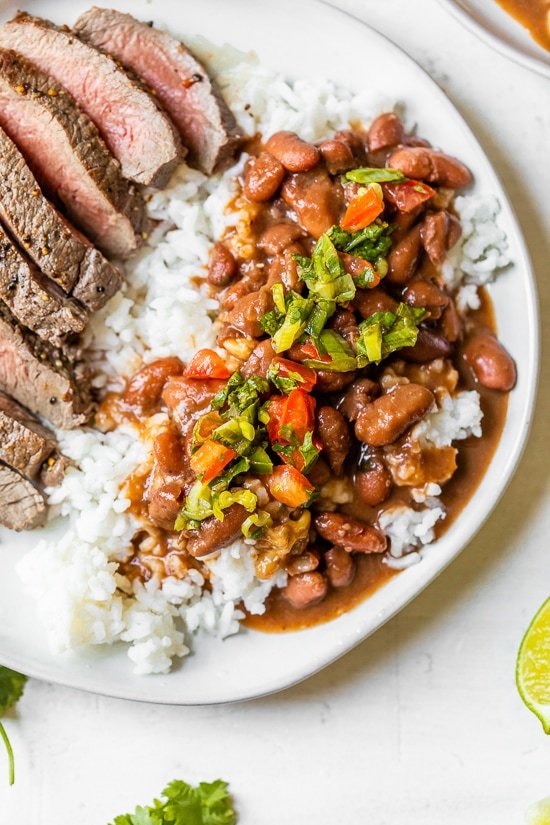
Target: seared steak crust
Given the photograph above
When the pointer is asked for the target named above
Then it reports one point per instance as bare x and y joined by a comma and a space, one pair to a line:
24, 443
134, 127
64, 150
34, 300
42, 378
62, 253
180, 82
22, 505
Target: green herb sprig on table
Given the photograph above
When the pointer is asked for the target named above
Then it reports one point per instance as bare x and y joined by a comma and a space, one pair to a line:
12, 685
209, 803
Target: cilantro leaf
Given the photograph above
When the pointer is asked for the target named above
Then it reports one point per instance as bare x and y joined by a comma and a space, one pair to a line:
371, 243
386, 332
325, 277
207, 804
370, 174
12, 685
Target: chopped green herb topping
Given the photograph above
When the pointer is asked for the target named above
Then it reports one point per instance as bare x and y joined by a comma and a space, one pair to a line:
253, 526
368, 174
387, 332
371, 243
324, 273
342, 356
239, 395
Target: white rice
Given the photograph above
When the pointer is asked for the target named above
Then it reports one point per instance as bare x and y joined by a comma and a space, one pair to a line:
80, 597
457, 418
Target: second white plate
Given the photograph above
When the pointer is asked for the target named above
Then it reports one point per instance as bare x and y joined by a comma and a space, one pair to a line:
489, 21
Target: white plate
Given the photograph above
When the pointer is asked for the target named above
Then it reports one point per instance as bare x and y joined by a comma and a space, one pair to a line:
489, 21
305, 39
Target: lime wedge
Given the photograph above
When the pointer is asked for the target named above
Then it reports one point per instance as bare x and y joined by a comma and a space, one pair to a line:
533, 666
539, 813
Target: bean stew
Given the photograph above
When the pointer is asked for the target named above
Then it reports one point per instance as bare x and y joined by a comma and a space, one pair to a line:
315, 421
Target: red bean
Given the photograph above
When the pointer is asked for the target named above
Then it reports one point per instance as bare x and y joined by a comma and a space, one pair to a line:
294, 153
320, 473
328, 381
386, 130
316, 200
361, 393
164, 504
262, 177
429, 345
277, 237
491, 364
385, 419
433, 232
306, 562
245, 315
373, 485
369, 301
451, 325
340, 567
423, 293
427, 164
349, 533
145, 388
334, 434
169, 453
403, 258
305, 590
259, 360
337, 155
222, 266
215, 534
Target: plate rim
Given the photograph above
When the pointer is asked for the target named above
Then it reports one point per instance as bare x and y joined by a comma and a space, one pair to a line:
457, 10
337, 650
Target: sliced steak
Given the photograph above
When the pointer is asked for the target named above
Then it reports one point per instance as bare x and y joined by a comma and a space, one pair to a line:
24, 443
180, 82
22, 505
70, 160
41, 377
133, 126
62, 253
34, 300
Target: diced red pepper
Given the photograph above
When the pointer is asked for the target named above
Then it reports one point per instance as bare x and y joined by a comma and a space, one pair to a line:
276, 408
362, 210
306, 376
210, 459
290, 415
207, 364
407, 194
289, 486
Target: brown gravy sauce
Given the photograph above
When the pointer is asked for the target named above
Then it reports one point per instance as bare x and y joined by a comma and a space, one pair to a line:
534, 15
473, 458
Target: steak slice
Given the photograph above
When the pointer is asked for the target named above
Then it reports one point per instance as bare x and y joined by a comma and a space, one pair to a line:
180, 82
134, 127
22, 505
64, 150
59, 250
42, 378
24, 443
34, 300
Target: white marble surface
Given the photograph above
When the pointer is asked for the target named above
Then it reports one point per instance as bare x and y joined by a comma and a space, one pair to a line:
420, 724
